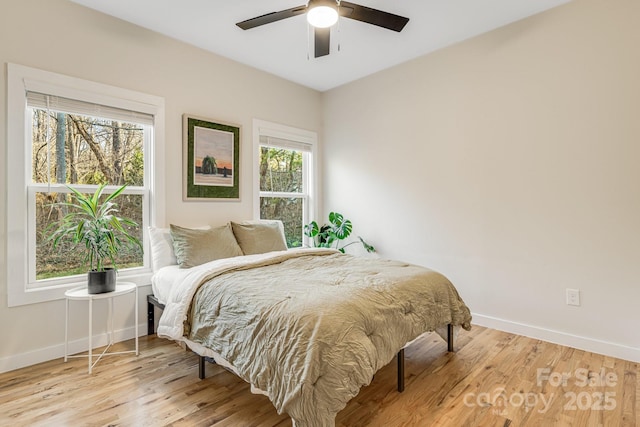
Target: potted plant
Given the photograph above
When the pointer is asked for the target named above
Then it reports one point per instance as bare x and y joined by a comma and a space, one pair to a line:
332, 234
93, 224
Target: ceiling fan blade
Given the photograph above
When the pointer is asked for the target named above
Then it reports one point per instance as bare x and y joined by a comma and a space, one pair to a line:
373, 16
272, 17
321, 41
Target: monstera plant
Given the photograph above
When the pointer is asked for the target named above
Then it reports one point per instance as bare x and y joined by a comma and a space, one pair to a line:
333, 234
93, 225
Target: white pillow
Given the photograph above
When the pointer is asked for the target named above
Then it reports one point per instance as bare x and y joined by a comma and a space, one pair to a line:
161, 243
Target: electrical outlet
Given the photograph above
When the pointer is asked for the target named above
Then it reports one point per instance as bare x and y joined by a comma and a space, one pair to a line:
573, 297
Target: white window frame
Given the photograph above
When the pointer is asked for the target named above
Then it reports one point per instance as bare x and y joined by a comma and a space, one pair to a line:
20, 289
310, 167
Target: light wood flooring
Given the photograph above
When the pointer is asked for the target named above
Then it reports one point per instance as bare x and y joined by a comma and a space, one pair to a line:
492, 380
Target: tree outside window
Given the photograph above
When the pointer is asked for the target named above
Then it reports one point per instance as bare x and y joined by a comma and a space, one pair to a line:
80, 150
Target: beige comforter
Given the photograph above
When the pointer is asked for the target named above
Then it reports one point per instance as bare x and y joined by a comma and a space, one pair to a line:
310, 327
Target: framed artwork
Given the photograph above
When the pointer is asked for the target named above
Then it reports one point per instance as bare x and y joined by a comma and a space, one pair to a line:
211, 160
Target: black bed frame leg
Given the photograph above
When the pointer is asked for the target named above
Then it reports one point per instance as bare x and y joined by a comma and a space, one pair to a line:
152, 303
401, 371
201, 373
401, 357
150, 319
450, 337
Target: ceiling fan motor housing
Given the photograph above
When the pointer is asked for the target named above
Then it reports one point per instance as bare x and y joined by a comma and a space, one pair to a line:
322, 13
330, 3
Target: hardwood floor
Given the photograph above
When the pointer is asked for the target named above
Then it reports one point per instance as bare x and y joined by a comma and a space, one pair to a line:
494, 379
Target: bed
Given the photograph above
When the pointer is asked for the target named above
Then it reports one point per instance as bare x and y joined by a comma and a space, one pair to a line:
306, 327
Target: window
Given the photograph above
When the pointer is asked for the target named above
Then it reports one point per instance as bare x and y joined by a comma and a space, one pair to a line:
83, 134
284, 168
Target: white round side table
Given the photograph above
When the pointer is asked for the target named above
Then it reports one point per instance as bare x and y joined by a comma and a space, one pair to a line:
82, 294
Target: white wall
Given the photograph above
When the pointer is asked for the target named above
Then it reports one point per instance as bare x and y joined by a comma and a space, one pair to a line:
62, 37
509, 162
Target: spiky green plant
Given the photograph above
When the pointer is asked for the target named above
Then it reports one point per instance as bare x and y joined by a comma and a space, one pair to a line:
94, 225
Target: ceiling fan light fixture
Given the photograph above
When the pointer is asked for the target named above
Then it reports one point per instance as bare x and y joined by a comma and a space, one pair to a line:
322, 14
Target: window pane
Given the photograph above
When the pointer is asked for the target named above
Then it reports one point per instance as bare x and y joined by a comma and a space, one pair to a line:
67, 260
289, 211
280, 170
86, 150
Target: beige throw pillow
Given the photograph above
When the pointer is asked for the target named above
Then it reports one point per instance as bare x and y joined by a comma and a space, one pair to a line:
258, 237
161, 244
195, 247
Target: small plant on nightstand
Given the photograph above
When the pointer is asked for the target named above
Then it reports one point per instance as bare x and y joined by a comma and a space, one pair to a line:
94, 225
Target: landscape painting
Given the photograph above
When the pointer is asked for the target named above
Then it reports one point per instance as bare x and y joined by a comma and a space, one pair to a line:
211, 157
213, 163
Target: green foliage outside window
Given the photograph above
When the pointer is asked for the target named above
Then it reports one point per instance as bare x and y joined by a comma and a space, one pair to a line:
281, 170
74, 150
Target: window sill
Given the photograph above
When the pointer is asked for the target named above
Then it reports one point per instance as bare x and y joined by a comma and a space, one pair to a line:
52, 293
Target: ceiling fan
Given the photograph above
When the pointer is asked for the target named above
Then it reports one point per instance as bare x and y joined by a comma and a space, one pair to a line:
322, 14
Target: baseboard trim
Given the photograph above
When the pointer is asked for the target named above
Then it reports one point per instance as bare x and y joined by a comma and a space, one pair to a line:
562, 338
29, 358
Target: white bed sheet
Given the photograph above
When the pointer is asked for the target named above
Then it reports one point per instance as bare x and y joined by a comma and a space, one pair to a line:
163, 279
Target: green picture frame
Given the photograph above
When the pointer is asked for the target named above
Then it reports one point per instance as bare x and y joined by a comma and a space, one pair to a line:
211, 160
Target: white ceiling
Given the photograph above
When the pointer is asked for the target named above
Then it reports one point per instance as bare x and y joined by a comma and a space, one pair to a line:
281, 48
